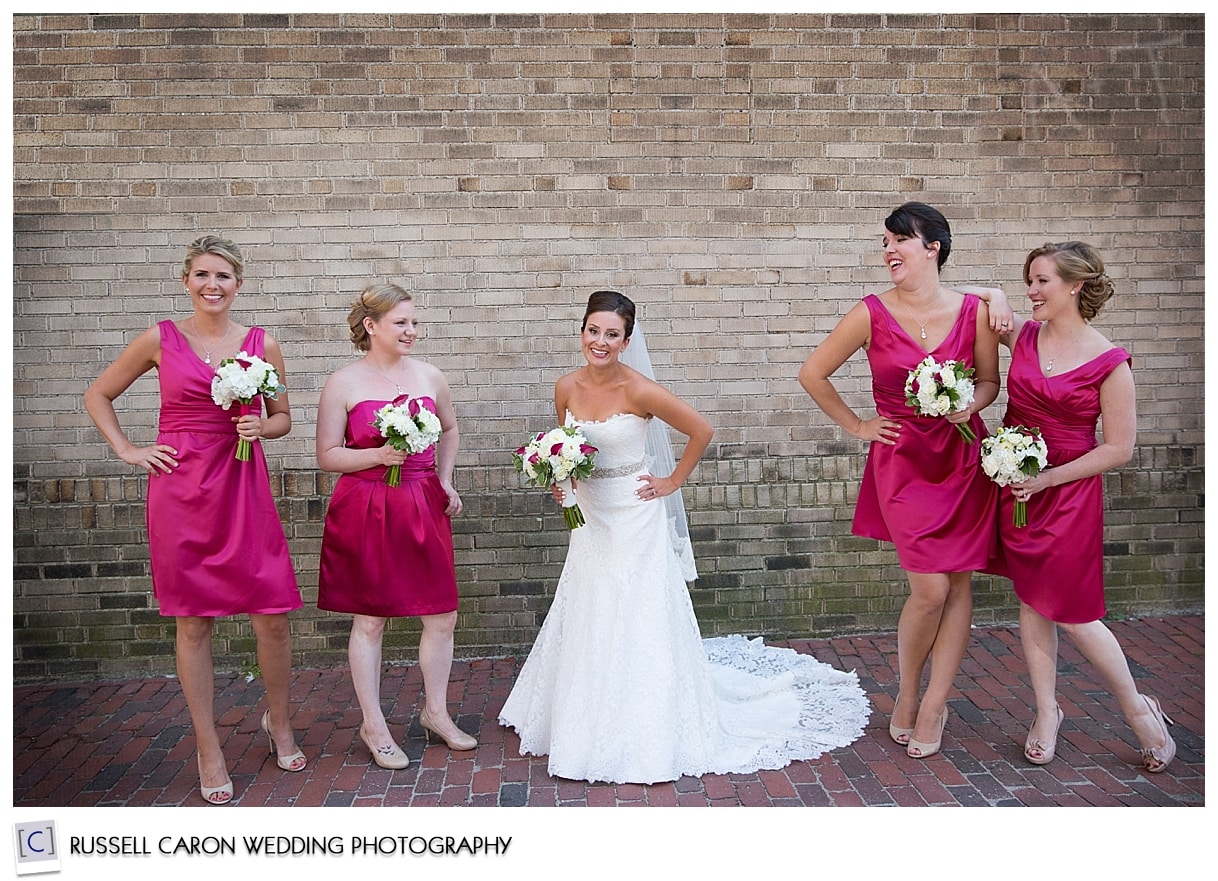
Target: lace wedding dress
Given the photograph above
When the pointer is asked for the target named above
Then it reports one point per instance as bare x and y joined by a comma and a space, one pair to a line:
620, 686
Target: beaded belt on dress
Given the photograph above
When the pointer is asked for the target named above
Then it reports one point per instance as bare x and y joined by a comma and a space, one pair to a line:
619, 471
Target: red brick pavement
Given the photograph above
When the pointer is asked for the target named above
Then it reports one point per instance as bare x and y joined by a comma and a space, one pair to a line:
129, 742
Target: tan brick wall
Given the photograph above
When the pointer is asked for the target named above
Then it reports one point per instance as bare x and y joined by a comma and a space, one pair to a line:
728, 172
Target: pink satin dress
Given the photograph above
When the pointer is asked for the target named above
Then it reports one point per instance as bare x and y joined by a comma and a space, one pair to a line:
387, 551
1057, 561
215, 540
927, 493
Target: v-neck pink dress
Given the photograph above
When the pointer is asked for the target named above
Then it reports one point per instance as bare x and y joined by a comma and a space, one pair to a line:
387, 551
926, 493
214, 537
1057, 561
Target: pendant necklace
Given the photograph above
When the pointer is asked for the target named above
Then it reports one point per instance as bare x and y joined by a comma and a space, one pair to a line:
909, 312
396, 386
203, 342
1064, 349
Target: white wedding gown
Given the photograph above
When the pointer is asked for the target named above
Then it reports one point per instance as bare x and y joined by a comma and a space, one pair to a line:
620, 686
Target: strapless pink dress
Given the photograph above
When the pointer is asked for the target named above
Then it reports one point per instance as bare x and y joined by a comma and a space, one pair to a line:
214, 537
387, 551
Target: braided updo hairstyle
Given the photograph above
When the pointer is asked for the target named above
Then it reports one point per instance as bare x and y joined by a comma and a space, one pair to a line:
1077, 262
374, 302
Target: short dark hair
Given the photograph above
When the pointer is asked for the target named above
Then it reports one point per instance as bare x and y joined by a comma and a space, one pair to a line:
928, 224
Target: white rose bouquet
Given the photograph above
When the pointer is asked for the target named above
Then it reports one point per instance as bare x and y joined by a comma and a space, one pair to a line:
239, 380
935, 389
1012, 455
407, 426
554, 457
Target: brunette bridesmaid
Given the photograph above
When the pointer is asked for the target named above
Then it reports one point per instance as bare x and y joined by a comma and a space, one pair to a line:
922, 486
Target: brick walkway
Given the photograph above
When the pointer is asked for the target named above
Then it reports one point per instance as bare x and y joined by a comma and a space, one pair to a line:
130, 741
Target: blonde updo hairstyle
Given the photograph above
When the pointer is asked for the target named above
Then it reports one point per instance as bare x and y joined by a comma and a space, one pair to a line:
373, 303
221, 248
1077, 262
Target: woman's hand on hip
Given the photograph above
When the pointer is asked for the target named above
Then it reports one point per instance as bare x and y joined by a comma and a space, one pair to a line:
656, 487
878, 429
157, 456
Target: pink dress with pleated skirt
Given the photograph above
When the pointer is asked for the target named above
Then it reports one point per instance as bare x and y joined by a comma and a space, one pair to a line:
214, 537
926, 493
1057, 561
387, 551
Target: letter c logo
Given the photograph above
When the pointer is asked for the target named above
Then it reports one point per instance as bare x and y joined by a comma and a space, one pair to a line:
29, 841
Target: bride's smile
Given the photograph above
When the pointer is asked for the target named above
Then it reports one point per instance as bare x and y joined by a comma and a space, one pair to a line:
604, 337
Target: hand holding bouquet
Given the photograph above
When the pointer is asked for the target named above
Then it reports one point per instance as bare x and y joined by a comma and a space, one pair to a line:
407, 426
240, 379
1012, 455
934, 389
552, 458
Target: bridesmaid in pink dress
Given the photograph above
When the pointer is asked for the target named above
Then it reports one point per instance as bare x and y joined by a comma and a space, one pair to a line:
1064, 377
922, 486
216, 544
388, 551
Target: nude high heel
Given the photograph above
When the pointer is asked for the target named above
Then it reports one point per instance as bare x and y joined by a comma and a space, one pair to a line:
1156, 759
919, 750
389, 757
295, 762
460, 743
900, 735
1037, 751
214, 795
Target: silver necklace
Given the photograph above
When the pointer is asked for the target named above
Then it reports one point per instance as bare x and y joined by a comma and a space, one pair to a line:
909, 312
1065, 348
396, 385
202, 342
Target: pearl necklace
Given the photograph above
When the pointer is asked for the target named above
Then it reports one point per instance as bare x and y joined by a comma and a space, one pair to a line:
203, 342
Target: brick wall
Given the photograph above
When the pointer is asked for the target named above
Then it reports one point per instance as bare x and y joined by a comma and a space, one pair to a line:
729, 172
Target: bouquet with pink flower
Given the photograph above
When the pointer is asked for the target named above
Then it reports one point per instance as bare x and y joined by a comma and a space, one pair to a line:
1012, 455
935, 389
239, 380
407, 426
553, 458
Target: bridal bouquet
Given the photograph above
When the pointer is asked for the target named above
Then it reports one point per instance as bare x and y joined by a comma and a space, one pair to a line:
554, 457
1012, 455
935, 389
240, 379
408, 426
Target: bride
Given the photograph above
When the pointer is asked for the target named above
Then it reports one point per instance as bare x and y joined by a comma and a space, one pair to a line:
620, 686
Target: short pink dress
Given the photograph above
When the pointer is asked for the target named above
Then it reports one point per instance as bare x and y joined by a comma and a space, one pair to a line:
387, 551
214, 537
1057, 560
926, 493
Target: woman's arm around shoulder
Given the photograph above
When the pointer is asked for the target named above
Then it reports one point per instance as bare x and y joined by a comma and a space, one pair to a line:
140, 356
1001, 319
